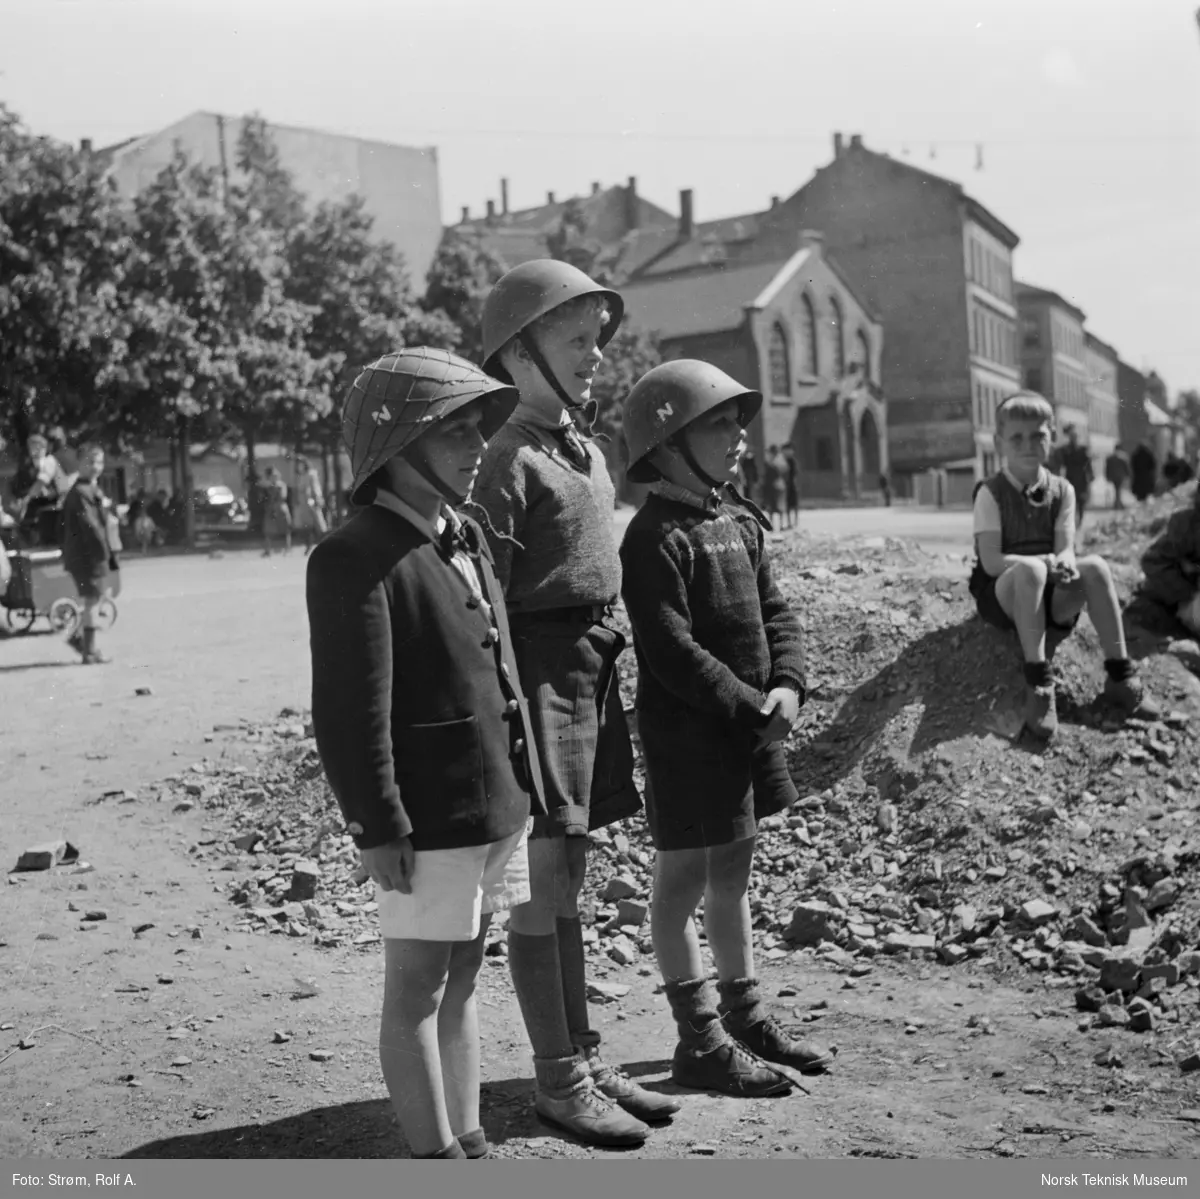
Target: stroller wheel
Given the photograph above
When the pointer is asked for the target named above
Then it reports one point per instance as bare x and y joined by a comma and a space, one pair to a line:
64, 615
106, 613
19, 620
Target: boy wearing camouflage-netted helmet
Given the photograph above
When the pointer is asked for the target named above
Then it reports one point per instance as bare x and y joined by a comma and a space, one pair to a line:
421, 723
721, 678
550, 498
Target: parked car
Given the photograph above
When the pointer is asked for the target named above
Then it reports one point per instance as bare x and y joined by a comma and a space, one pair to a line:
214, 505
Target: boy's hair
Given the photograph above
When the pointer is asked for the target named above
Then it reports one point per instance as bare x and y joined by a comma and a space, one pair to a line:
591, 302
1024, 405
37, 442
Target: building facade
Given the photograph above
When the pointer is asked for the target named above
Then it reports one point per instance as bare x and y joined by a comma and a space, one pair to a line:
797, 331
1103, 402
399, 184
1053, 354
936, 266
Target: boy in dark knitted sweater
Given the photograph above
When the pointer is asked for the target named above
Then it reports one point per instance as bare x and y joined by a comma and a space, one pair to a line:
1171, 567
720, 683
1026, 575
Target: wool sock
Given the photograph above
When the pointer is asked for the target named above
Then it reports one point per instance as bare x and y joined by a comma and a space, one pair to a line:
572, 966
740, 1000
537, 979
1037, 674
693, 1004
1119, 669
474, 1143
454, 1149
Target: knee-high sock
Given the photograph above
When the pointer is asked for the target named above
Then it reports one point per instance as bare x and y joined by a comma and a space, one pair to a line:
572, 964
537, 979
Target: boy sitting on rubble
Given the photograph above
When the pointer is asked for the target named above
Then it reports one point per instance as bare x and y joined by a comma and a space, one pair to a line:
1172, 568
1026, 575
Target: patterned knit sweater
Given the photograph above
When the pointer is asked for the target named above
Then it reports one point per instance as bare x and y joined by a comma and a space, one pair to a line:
561, 515
711, 631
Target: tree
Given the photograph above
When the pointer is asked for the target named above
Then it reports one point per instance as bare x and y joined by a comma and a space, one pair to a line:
463, 271
64, 246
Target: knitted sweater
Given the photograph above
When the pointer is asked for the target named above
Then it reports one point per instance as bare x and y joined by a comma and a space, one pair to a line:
562, 516
711, 631
1172, 563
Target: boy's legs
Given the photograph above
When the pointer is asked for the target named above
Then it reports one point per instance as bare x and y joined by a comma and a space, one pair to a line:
1021, 594
409, 1049
458, 1033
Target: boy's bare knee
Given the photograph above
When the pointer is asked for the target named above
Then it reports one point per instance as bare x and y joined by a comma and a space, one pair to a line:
1028, 572
1093, 567
729, 867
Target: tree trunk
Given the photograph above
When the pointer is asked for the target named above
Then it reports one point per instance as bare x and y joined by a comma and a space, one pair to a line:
338, 486
185, 482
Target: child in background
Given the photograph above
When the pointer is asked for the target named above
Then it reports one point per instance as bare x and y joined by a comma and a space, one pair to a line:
1026, 575
1172, 567
720, 684
88, 554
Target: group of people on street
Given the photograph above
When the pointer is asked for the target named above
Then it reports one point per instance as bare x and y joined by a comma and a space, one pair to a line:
466, 699
282, 511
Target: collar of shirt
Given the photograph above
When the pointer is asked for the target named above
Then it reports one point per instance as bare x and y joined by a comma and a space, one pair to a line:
1042, 480
432, 530
529, 414
709, 502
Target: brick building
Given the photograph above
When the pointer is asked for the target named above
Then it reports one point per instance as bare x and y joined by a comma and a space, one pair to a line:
936, 266
399, 184
794, 329
1052, 353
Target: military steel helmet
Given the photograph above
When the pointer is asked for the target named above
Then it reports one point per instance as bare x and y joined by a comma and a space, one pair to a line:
530, 291
403, 395
667, 399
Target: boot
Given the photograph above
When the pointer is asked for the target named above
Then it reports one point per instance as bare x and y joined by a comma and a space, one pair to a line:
622, 1090
1041, 713
707, 1058
75, 641
759, 1032
1130, 696
475, 1144
567, 1099
91, 655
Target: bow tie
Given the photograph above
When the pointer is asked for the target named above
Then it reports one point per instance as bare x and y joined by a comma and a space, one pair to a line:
454, 538
1036, 492
572, 444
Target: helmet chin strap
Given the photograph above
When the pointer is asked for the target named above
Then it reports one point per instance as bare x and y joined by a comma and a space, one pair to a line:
420, 464
719, 487
539, 360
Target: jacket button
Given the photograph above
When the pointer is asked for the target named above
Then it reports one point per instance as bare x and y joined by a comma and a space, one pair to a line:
493, 635
472, 601
519, 745
512, 707
354, 829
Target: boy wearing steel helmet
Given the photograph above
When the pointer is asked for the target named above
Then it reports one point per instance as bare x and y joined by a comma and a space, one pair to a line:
421, 723
720, 683
550, 499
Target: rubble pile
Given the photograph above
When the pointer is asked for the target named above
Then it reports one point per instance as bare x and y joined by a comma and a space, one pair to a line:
926, 829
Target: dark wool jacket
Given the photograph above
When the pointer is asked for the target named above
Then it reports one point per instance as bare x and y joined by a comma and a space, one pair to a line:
417, 709
1172, 563
85, 548
711, 630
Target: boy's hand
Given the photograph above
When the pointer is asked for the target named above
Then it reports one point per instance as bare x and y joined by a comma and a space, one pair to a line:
1063, 569
783, 709
391, 865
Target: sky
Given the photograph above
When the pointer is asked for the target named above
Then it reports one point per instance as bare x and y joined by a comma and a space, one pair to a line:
1087, 111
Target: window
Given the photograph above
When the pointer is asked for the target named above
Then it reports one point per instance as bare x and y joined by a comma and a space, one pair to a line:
864, 355
1033, 379
1033, 335
781, 376
808, 336
839, 344
823, 448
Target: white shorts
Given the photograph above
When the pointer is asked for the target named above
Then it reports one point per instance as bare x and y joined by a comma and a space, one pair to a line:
453, 888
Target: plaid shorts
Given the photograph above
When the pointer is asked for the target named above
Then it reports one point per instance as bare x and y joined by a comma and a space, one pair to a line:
568, 672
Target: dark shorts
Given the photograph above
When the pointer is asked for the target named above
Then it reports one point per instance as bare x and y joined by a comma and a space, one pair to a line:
569, 675
92, 586
705, 783
984, 589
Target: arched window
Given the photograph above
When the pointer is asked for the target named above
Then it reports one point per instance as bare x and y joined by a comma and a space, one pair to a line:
839, 343
808, 336
864, 355
781, 375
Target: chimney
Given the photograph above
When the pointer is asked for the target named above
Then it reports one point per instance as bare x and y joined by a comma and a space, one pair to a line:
837, 145
466, 216
595, 189
812, 239
491, 210
856, 141
85, 145
631, 204
504, 196
774, 202
687, 223
549, 197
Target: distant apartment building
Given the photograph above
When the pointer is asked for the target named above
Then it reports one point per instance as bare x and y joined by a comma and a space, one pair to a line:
936, 266
1053, 354
399, 184
1101, 364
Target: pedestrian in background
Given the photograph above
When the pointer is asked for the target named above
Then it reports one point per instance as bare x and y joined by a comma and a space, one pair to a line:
309, 516
1116, 471
792, 486
277, 517
1073, 460
775, 486
88, 554
1144, 467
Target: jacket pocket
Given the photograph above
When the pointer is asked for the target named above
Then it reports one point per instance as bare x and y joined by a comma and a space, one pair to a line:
439, 770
